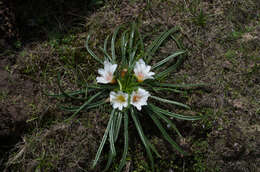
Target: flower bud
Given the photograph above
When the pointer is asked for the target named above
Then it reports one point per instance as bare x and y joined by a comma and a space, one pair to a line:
123, 72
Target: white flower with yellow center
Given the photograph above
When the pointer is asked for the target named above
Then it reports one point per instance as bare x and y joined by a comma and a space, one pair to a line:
142, 71
118, 100
107, 74
139, 98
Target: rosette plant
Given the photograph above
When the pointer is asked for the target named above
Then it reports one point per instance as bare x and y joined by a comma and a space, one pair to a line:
131, 84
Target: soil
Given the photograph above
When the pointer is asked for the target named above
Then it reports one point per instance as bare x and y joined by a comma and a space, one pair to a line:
223, 44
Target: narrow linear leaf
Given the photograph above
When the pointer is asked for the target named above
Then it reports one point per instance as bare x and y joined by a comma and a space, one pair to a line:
113, 51
106, 54
132, 55
156, 89
92, 53
109, 161
70, 109
131, 40
170, 102
165, 60
140, 39
105, 43
149, 109
142, 136
118, 124
177, 42
111, 136
112, 151
97, 104
99, 86
175, 115
123, 46
184, 86
153, 148
83, 106
66, 94
123, 159
103, 139
72, 93
157, 43
165, 134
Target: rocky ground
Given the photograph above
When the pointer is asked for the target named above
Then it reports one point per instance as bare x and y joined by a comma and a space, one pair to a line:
223, 43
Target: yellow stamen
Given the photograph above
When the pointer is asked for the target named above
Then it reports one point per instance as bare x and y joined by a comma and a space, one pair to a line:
120, 99
136, 98
140, 77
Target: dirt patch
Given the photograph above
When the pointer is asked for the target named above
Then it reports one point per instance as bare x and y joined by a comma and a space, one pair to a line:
15, 96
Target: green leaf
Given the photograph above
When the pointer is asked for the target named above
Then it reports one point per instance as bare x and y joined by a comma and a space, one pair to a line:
165, 134
183, 86
118, 124
165, 119
111, 136
72, 93
124, 41
106, 54
109, 161
105, 49
165, 60
96, 104
103, 139
156, 89
100, 86
170, 102
70, 109
105, 43
123, 159
140, 39
92, 53
142, 136
170, 69
177, 42
112, 151
66, 94
113, 51
131, 40
157, 43
84, 105
175, 115
132, 55
153, 148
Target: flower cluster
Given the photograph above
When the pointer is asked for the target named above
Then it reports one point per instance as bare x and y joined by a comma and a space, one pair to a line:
137, 96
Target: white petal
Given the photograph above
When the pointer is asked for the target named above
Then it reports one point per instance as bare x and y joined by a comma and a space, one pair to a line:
148, 68
107, 65
141, 67
113, 68
101, 80
141, 61
139, 107
101, 72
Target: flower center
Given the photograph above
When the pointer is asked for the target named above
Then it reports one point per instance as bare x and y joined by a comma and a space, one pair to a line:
109, 77
140, 77
136, 98
120, 99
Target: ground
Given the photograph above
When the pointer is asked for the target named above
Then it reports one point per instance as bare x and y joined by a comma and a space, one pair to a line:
223, 44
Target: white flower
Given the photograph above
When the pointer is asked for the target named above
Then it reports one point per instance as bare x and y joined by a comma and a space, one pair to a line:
139, 98
142, 71
107, 74
119, 99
